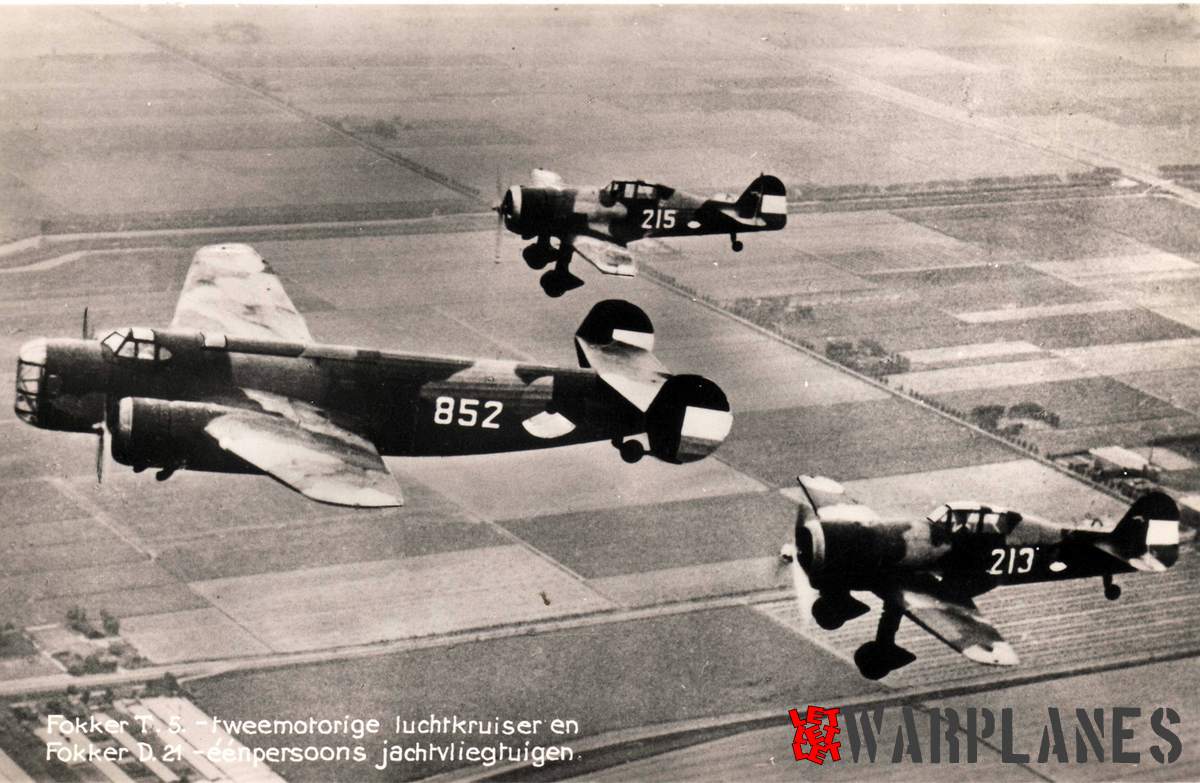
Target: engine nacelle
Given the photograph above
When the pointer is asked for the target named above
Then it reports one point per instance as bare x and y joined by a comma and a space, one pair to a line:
847, 555
153, 433
688, 419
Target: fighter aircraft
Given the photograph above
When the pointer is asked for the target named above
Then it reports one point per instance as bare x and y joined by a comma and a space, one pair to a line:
598, 223
237, 384
930, 569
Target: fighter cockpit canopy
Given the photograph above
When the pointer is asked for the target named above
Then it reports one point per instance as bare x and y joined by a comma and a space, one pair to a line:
973, 518
636, 189
135, 342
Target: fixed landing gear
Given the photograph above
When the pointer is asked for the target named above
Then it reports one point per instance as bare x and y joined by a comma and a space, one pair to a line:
539, 253
559, 280
1111, 591
876, 659
736, 243
833, 611
164, 473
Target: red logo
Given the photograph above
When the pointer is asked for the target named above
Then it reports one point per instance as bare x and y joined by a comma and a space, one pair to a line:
811, 735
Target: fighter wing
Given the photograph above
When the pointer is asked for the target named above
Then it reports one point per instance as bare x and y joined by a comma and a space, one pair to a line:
230, 289
952, 617
544, 178
832, 503
609, 258
297, 444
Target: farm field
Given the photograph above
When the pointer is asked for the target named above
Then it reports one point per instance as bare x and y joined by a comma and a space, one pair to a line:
567, 583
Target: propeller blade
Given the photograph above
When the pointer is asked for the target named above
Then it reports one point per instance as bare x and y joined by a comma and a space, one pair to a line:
86, 332
99, 429
806, 595
499, 209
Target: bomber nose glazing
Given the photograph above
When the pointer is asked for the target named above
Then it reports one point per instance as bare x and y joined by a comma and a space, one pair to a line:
31, 376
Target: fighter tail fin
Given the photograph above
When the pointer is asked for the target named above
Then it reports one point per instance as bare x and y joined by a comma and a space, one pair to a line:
766, 198
1150, 527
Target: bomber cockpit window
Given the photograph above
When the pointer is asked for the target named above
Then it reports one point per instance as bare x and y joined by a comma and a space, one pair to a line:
646, 191
136, 343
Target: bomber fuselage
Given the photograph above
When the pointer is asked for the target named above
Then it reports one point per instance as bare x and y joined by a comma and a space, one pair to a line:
406, 404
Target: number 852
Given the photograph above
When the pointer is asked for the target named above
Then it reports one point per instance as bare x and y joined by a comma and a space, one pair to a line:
466, 412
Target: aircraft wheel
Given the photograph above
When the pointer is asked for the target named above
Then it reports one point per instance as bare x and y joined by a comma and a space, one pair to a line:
826, 615
556, 283
737, 245
870, 661
1112, 592
536, 257
631, 451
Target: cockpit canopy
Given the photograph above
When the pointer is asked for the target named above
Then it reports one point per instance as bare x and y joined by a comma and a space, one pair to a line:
973, 518
136, 342
635, 190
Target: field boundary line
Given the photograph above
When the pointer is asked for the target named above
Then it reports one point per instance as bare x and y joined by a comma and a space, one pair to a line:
444, 180
618, 744
663, 280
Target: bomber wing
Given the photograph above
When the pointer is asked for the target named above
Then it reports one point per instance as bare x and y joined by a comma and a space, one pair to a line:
609, 258
297, 444
230, 289
951, 616
832, 503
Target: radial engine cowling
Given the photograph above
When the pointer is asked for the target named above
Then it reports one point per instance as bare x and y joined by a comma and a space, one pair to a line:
688, 419
154, 433
533, 211
847, 554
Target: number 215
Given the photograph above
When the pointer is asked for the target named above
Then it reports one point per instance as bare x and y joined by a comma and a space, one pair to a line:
658, 218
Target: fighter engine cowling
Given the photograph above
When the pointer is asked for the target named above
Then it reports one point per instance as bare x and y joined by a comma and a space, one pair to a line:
846, 555
153, 433
533, 211
688, 419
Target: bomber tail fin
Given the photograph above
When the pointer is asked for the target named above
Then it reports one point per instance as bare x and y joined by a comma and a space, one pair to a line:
686, 416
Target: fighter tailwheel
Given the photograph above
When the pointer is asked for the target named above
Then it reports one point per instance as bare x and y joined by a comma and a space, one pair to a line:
875, 660
737, 244
556, 283
1111, 591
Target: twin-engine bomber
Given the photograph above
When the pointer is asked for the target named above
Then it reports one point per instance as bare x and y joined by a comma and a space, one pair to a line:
236, 384
931, 569
599, 222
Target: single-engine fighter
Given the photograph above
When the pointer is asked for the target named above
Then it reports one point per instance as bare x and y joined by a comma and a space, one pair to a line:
237, 384
930, 569
598, 223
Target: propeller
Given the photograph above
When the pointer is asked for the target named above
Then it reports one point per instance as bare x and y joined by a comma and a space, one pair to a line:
806, 594
499, 210
86, 331
99, 428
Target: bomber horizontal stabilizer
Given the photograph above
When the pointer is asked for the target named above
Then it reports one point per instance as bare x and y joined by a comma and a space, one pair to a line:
616, 340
